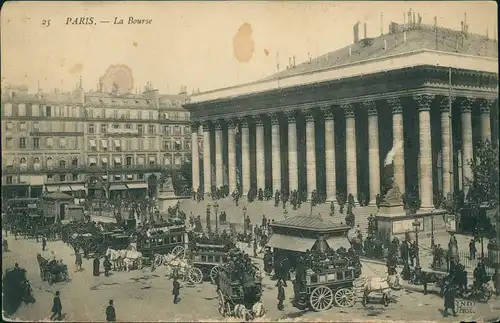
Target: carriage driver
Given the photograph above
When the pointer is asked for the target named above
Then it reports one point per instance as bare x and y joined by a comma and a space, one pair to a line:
480, 275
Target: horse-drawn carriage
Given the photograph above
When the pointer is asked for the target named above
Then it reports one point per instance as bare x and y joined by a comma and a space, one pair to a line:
208, 259
319, 290
239, 293
162, 240
16, 289
52, 270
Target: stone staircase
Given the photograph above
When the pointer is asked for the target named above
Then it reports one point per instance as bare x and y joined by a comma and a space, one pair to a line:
256, 209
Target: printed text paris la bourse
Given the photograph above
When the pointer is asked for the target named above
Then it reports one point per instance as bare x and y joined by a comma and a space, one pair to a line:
116, 21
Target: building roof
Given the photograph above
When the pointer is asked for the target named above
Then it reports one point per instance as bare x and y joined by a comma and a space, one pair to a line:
309, 222
420, 37
19, 94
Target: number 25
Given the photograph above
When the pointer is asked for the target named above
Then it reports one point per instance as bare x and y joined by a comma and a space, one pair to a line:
46, 23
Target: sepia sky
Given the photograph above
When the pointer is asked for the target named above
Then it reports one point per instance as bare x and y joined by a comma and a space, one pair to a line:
191, 43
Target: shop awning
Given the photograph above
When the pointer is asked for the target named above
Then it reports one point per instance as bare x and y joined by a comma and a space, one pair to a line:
64, 188
104, 160
51, 189
92, 160
92, 143
58, 188
104, 143
130, 176
338, 242
118, 160
36, 180
291, 243
118, 187
105, 177
77, 187
117, 143
152, 159
34, 215
137, 185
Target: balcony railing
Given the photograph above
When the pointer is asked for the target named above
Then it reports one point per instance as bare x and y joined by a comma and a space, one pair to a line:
76, 169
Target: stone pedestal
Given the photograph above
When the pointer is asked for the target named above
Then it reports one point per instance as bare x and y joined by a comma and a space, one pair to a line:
166, 198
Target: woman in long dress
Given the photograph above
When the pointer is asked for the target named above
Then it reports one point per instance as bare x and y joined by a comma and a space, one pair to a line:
96, 266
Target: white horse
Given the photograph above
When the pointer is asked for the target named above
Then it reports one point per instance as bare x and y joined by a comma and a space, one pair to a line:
177, 268
131, 257
115, 256
378, 284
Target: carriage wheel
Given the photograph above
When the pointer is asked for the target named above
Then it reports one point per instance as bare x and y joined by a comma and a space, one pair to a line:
195, 275
228, 310
214, 274
321, 298
222, 303
178, 250
344, 297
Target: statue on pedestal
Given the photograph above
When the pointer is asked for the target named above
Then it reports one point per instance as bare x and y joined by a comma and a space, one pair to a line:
393, 195
167, 185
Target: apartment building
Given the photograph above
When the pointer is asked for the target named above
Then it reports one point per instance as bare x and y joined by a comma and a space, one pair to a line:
95, 143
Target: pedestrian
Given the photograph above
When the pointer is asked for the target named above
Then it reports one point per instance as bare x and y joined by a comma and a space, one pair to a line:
56, 308
96, 266
110, 312
472, 249
107, 266
281, 295
449, 299
44, 243
78, 261
255, 247
175, 290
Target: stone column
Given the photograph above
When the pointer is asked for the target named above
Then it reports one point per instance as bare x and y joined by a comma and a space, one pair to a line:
373, 151
195, 158
331, 179
398, 143
207, 167
245, 157
447, 166
310, 153
351, 157
259, 153
485, 108
219, 165
293, 177
276, 152
424, 103
231, 152
467, 153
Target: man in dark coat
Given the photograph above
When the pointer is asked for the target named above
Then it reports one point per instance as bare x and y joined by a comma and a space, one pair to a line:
404, 251
449, 300
110, 312
44, 243
472, 249
56, 308
78, 261
175, 290
281, 295
96, 266
107, 265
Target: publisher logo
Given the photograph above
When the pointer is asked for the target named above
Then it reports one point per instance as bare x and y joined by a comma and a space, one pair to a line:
465, 306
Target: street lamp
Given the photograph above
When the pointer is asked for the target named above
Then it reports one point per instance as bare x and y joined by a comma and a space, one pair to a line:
432, 230
418, 269
216, 211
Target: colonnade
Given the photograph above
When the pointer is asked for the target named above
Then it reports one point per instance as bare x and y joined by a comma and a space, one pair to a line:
423, 103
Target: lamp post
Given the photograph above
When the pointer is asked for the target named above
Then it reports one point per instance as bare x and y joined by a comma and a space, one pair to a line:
216, 211
432, 231
416, 227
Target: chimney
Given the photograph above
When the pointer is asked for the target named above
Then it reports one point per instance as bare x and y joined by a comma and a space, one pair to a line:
404, 36
404, 19
385, 44
462, 26
101, 86
381, 23
293, 60
419, 19
435, 22
365, 31
355, 29
414, 22
290, 61
409, 18
350, 52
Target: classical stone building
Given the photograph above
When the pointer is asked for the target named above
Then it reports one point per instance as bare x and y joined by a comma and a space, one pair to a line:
328, 124
82, 143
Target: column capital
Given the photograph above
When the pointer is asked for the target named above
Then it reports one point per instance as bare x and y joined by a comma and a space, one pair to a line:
371, 107
231, 123
348, 110
206, 125
218, 124
395, 105
195, 125
259, 119
424, 101
309, 115
328, 113
291, 115
243, 121
466, 104
444, 104
485, 105
275, 118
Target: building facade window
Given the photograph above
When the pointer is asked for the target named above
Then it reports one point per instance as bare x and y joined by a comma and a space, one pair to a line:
50, 162
8, 142
48, 111
140, 176
62, 163
74, 161
151, 129
36, 126
91, 128
22, 143
22, 126
104, 128
9, 179
116, 126
140, 128
74, 177
128, 160
62, 178
36, 143
23, 162
128, 126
